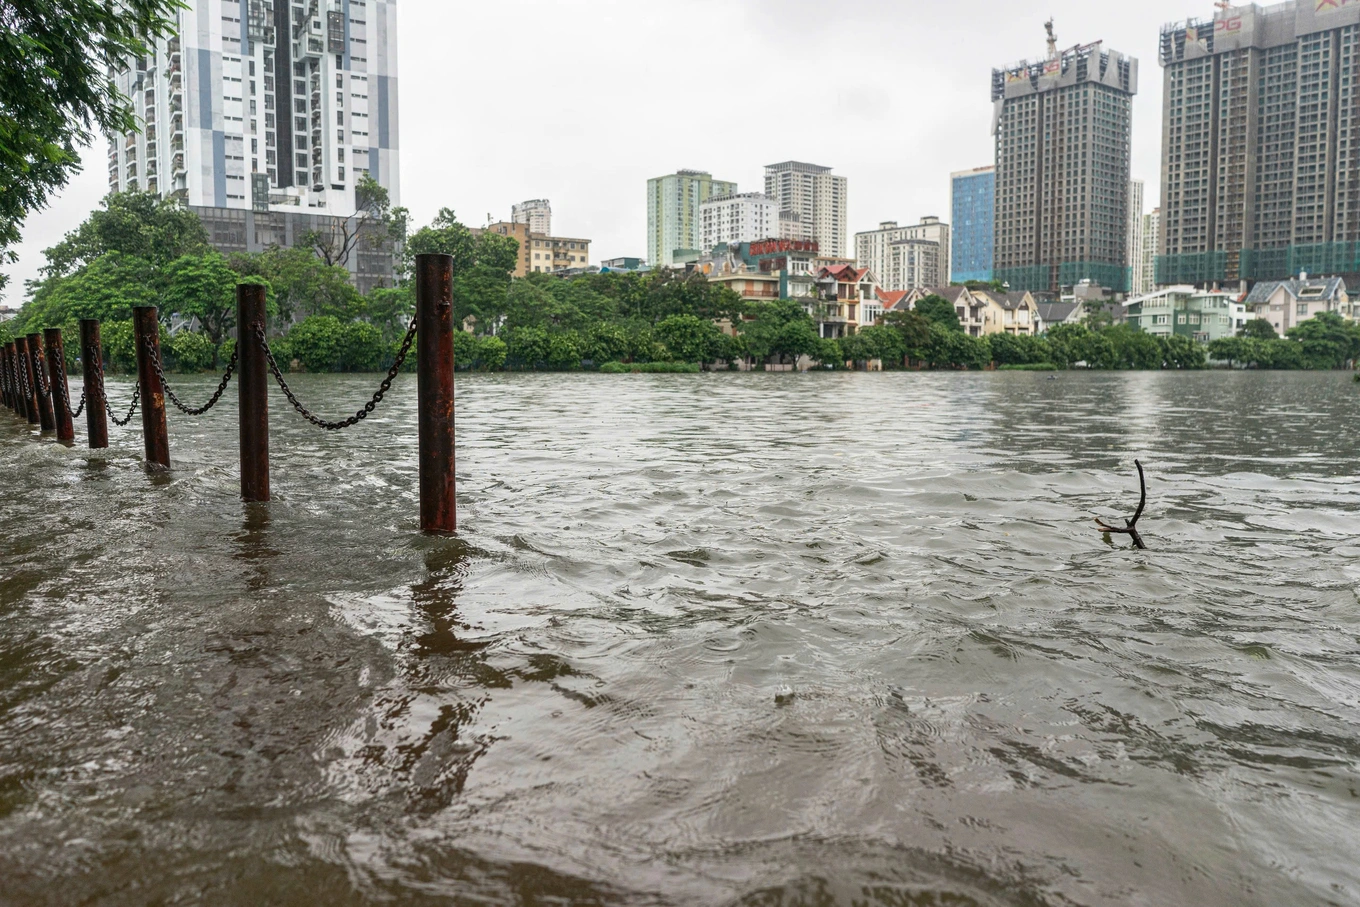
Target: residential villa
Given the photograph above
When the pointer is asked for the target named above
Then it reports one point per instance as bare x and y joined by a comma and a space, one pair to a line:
1052, 314
983, 312
1201, 315
1287, 303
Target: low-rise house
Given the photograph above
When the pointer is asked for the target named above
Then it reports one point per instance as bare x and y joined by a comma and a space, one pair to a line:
1288, 303
1202, 315
1007, 313
1052, 314
970, 309
846, 290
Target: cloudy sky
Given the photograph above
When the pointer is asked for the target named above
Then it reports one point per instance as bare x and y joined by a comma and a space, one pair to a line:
580, 101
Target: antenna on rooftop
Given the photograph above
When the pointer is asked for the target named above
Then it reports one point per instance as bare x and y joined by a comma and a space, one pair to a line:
1224, 4
1052, 39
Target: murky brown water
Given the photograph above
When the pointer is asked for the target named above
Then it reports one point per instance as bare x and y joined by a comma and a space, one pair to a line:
755, 639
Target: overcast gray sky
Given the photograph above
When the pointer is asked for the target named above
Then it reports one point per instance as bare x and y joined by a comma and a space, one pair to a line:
581, 101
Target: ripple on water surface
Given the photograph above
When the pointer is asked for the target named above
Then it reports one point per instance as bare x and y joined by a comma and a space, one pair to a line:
748, 639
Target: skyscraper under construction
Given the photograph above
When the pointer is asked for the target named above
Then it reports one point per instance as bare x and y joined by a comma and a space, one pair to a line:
1062, 131
1261, 143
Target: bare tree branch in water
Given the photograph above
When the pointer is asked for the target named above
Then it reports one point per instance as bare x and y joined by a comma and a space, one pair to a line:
1131, 525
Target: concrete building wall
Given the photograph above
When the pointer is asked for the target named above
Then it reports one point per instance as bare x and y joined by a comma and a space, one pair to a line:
1062, 129
818, 198
1260, 161
673, 212
907, 268
735, 219
1137, 237
239, 116
537, 214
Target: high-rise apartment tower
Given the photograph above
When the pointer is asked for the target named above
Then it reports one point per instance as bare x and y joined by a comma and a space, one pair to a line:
673, 222
1062, 129
814, 198
1261, 143
972, 204
1137, 239
537, 213
905, 258
261, 116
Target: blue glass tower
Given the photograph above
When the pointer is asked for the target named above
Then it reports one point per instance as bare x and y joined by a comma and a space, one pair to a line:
973, 204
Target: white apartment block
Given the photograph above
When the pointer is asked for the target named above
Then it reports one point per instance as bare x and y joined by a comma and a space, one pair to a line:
913, 265
1146, 266
818, 197
1137, 238
261, 115
735, 219
537, 213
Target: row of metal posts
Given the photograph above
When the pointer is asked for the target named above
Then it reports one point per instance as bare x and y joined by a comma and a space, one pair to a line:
44, 401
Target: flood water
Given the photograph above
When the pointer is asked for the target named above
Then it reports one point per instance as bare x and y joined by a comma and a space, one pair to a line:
711, 639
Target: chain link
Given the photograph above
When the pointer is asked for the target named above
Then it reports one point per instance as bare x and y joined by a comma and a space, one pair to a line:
104, 395
44, 386
154, 354
24, 388
136, 398
368, 407
64, 384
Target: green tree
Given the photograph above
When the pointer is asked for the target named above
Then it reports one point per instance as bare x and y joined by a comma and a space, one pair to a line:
688, 338
106, 290
316, 343
138, 225
1258, 329
303, 285
1182, 352
1327, 341
192, 352
202, 287
374, 224
938, 310
914, 329
1239, 350
56, 91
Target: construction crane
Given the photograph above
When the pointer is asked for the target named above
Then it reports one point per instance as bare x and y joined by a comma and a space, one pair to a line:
1052, 39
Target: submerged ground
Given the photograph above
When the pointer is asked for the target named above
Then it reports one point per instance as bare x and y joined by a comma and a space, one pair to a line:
765, 639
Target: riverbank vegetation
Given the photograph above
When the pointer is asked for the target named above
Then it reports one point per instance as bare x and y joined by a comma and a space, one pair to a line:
140, 250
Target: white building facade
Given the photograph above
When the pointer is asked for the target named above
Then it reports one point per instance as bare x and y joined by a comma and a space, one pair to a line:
537, 213
906, 258
1146, 266
1137, 238
739, 218
818, 199
264, 107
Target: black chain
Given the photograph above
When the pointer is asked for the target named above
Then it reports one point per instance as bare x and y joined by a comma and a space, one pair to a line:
44, 387
104, 396
21, 370
64, 384
136, 398
368, 407
154, 354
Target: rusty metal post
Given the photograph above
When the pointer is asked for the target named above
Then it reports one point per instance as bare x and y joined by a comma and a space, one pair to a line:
46, 419
29, 396
252, 385
434, 352
155, 435
61, 389
4, 376
92, 363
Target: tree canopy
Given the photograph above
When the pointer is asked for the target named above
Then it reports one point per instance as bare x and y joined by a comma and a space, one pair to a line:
56, 91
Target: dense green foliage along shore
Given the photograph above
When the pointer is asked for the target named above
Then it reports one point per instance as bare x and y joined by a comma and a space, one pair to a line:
140, 250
